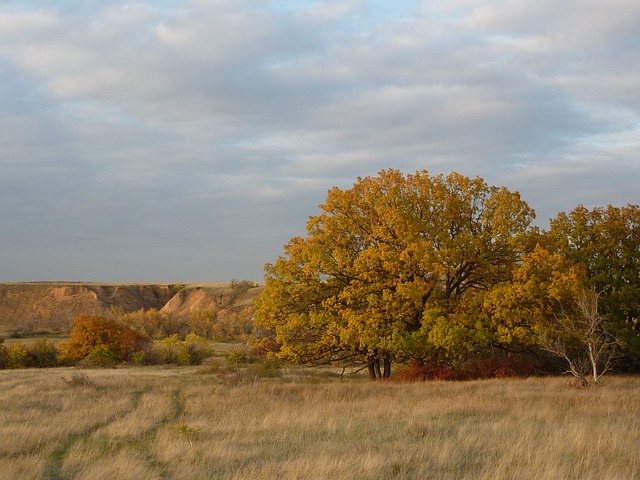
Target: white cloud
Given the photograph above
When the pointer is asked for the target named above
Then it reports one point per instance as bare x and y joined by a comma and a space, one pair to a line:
195, 122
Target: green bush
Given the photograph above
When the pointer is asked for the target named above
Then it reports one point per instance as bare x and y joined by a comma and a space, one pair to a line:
102, 356
190, 351
17, 356
43, 354
269, 368
166, 350
237, 357
138, 358
195, 349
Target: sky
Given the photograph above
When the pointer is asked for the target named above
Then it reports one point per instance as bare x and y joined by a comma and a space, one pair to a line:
188, 141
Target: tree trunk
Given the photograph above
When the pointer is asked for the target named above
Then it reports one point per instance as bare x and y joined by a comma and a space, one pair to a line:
376, 366
387, 368
372, 370
375, 370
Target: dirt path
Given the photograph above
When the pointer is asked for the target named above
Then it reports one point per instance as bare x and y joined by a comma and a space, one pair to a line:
55, 461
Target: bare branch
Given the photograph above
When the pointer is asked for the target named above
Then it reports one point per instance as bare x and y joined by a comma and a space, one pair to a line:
581, 338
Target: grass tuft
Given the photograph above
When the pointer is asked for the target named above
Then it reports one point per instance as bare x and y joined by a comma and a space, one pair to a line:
79, 379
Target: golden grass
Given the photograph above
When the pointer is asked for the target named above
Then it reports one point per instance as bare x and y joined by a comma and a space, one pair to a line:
174, 424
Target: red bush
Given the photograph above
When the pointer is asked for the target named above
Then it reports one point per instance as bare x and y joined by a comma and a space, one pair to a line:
490, 368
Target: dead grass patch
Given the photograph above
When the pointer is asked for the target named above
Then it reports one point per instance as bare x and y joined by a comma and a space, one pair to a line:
172, 423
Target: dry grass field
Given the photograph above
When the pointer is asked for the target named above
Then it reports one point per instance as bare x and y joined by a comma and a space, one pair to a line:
170, 423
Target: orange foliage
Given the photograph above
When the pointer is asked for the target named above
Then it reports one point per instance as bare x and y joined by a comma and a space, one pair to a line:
89, 333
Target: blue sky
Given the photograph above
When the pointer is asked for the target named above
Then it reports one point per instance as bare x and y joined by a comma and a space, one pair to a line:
181, 141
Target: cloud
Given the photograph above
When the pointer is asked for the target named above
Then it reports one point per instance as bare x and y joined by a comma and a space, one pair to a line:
160, 133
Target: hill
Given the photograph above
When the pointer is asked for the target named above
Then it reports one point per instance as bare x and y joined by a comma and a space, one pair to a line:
52, 306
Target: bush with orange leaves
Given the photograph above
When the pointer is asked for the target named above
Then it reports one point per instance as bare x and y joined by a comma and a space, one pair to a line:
101, 341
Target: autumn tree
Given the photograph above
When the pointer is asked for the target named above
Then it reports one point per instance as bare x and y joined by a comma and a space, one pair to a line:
151, 323
104, 340
386, 266
203, 322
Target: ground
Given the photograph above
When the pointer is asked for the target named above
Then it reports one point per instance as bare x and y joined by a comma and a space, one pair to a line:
194, 422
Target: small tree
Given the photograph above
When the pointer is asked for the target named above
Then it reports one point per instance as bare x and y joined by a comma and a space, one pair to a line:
101, 338
582, 340
203, 322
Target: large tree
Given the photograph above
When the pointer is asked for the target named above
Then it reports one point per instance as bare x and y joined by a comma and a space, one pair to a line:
384, 259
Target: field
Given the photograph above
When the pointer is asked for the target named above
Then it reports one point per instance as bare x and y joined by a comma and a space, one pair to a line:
190, 423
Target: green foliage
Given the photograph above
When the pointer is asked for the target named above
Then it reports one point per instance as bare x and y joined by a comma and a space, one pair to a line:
605, 244
241, 368
193, 350
166, 350
138, 358
17, 356
40, 354
102, 356
268, 367
236, 357
43, 354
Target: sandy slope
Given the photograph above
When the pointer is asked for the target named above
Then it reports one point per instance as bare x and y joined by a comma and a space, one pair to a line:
53, 305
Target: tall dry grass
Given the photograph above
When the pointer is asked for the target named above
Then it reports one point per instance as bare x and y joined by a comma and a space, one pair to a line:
175, 424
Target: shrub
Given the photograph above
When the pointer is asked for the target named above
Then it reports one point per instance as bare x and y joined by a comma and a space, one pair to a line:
241, 286
195, 349
166, 350
138, 358
502, 367
190, 351
102, 338
43, 354
79, 379
17, 356
268, 368
236, 357
102, 356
